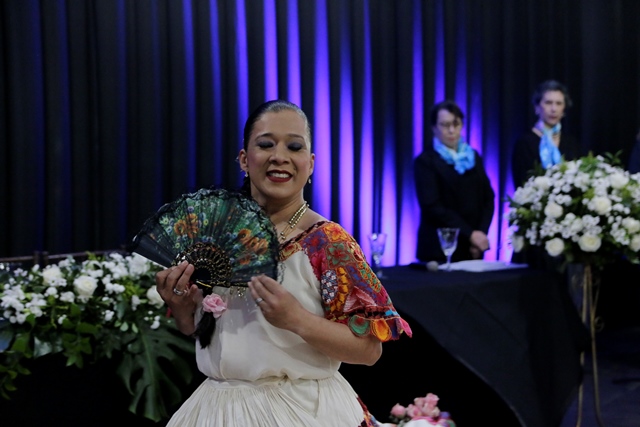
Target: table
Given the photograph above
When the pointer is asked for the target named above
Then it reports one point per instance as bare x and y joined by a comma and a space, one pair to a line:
516, 332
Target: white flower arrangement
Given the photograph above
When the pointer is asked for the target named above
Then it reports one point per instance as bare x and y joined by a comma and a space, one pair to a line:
104, 306
585, 210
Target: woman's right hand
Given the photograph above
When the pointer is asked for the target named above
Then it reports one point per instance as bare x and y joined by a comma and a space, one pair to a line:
180, 294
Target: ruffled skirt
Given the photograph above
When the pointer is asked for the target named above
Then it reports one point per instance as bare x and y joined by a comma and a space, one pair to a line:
271, 402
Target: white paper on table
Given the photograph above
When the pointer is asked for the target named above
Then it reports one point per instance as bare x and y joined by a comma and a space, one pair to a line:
480, 265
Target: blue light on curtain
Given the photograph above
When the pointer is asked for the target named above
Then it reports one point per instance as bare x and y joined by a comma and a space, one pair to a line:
190, 93
491, 165
242, 68
270, 50
216, 88
346, 132
366, 129
121, 138
293, 53
439, 66
418, 84
462, 79
161, 90
476, 132
410, 211
390, 202
399, 216
322, 119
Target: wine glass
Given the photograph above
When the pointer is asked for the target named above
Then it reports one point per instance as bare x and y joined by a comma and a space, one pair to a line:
377, 241
448, 242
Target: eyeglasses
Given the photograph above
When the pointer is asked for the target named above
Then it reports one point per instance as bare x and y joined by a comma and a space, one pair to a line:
447, 125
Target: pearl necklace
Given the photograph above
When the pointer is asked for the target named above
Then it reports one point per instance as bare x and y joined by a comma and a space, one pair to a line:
293, 221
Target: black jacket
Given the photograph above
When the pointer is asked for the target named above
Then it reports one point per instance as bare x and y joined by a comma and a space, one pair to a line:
449, 199
526, 154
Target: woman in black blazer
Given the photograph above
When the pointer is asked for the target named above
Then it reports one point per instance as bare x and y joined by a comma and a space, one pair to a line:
545, 144
453, 189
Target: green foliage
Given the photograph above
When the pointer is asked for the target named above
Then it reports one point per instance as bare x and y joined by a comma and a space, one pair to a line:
146, 377
101, 308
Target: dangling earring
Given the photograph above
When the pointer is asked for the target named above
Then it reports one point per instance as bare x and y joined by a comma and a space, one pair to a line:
246, 174
309, 180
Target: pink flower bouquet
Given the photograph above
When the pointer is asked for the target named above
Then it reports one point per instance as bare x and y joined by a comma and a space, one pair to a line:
423, 412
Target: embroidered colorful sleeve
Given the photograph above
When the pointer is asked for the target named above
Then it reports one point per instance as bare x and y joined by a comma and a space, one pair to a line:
351, 293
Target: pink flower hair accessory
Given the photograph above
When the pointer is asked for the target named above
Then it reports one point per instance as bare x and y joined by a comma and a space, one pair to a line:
214, 304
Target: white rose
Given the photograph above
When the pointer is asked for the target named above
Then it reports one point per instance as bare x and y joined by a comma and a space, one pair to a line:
85, 286
618, 180
51, 273
634, 245
589, 242
67, 297
118, 270
542, 182
600, 204
554, 246
631, 224
553, 210
154, 297
575, 226
517, 242
138, 264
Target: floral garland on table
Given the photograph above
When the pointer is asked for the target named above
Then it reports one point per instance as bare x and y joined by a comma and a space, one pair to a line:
103, 307
423, 412
586, 210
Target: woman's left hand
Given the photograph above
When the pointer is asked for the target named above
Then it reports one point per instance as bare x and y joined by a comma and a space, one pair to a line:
278, 305
334, 339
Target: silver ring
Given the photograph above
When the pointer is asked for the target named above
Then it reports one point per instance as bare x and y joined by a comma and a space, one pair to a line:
259, 300
177, 292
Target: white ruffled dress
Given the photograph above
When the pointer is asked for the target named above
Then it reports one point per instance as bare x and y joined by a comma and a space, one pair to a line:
260, 375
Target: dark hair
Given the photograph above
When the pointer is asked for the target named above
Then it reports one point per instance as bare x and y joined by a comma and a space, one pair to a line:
274, 106
551, 85
448, 105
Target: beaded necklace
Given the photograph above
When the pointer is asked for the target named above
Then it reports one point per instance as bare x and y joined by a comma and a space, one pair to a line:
293, 221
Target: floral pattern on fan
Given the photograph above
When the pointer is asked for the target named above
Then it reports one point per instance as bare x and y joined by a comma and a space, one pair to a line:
226, 235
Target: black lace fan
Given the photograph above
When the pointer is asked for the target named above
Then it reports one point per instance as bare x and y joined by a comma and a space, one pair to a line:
226, 235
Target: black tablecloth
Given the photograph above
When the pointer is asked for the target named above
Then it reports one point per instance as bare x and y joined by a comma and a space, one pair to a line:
517, 330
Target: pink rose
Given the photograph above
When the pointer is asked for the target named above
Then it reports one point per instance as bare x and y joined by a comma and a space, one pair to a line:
413, 411
432, 400
398, 411
428, 405
214, 304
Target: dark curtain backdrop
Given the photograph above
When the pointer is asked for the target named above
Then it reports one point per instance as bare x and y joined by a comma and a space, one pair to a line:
110, 108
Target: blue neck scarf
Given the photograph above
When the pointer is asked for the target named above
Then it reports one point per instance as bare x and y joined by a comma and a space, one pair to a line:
549, 153
462, 160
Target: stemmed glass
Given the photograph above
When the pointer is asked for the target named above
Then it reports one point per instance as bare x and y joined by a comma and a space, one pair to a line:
448, 242
377, 241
